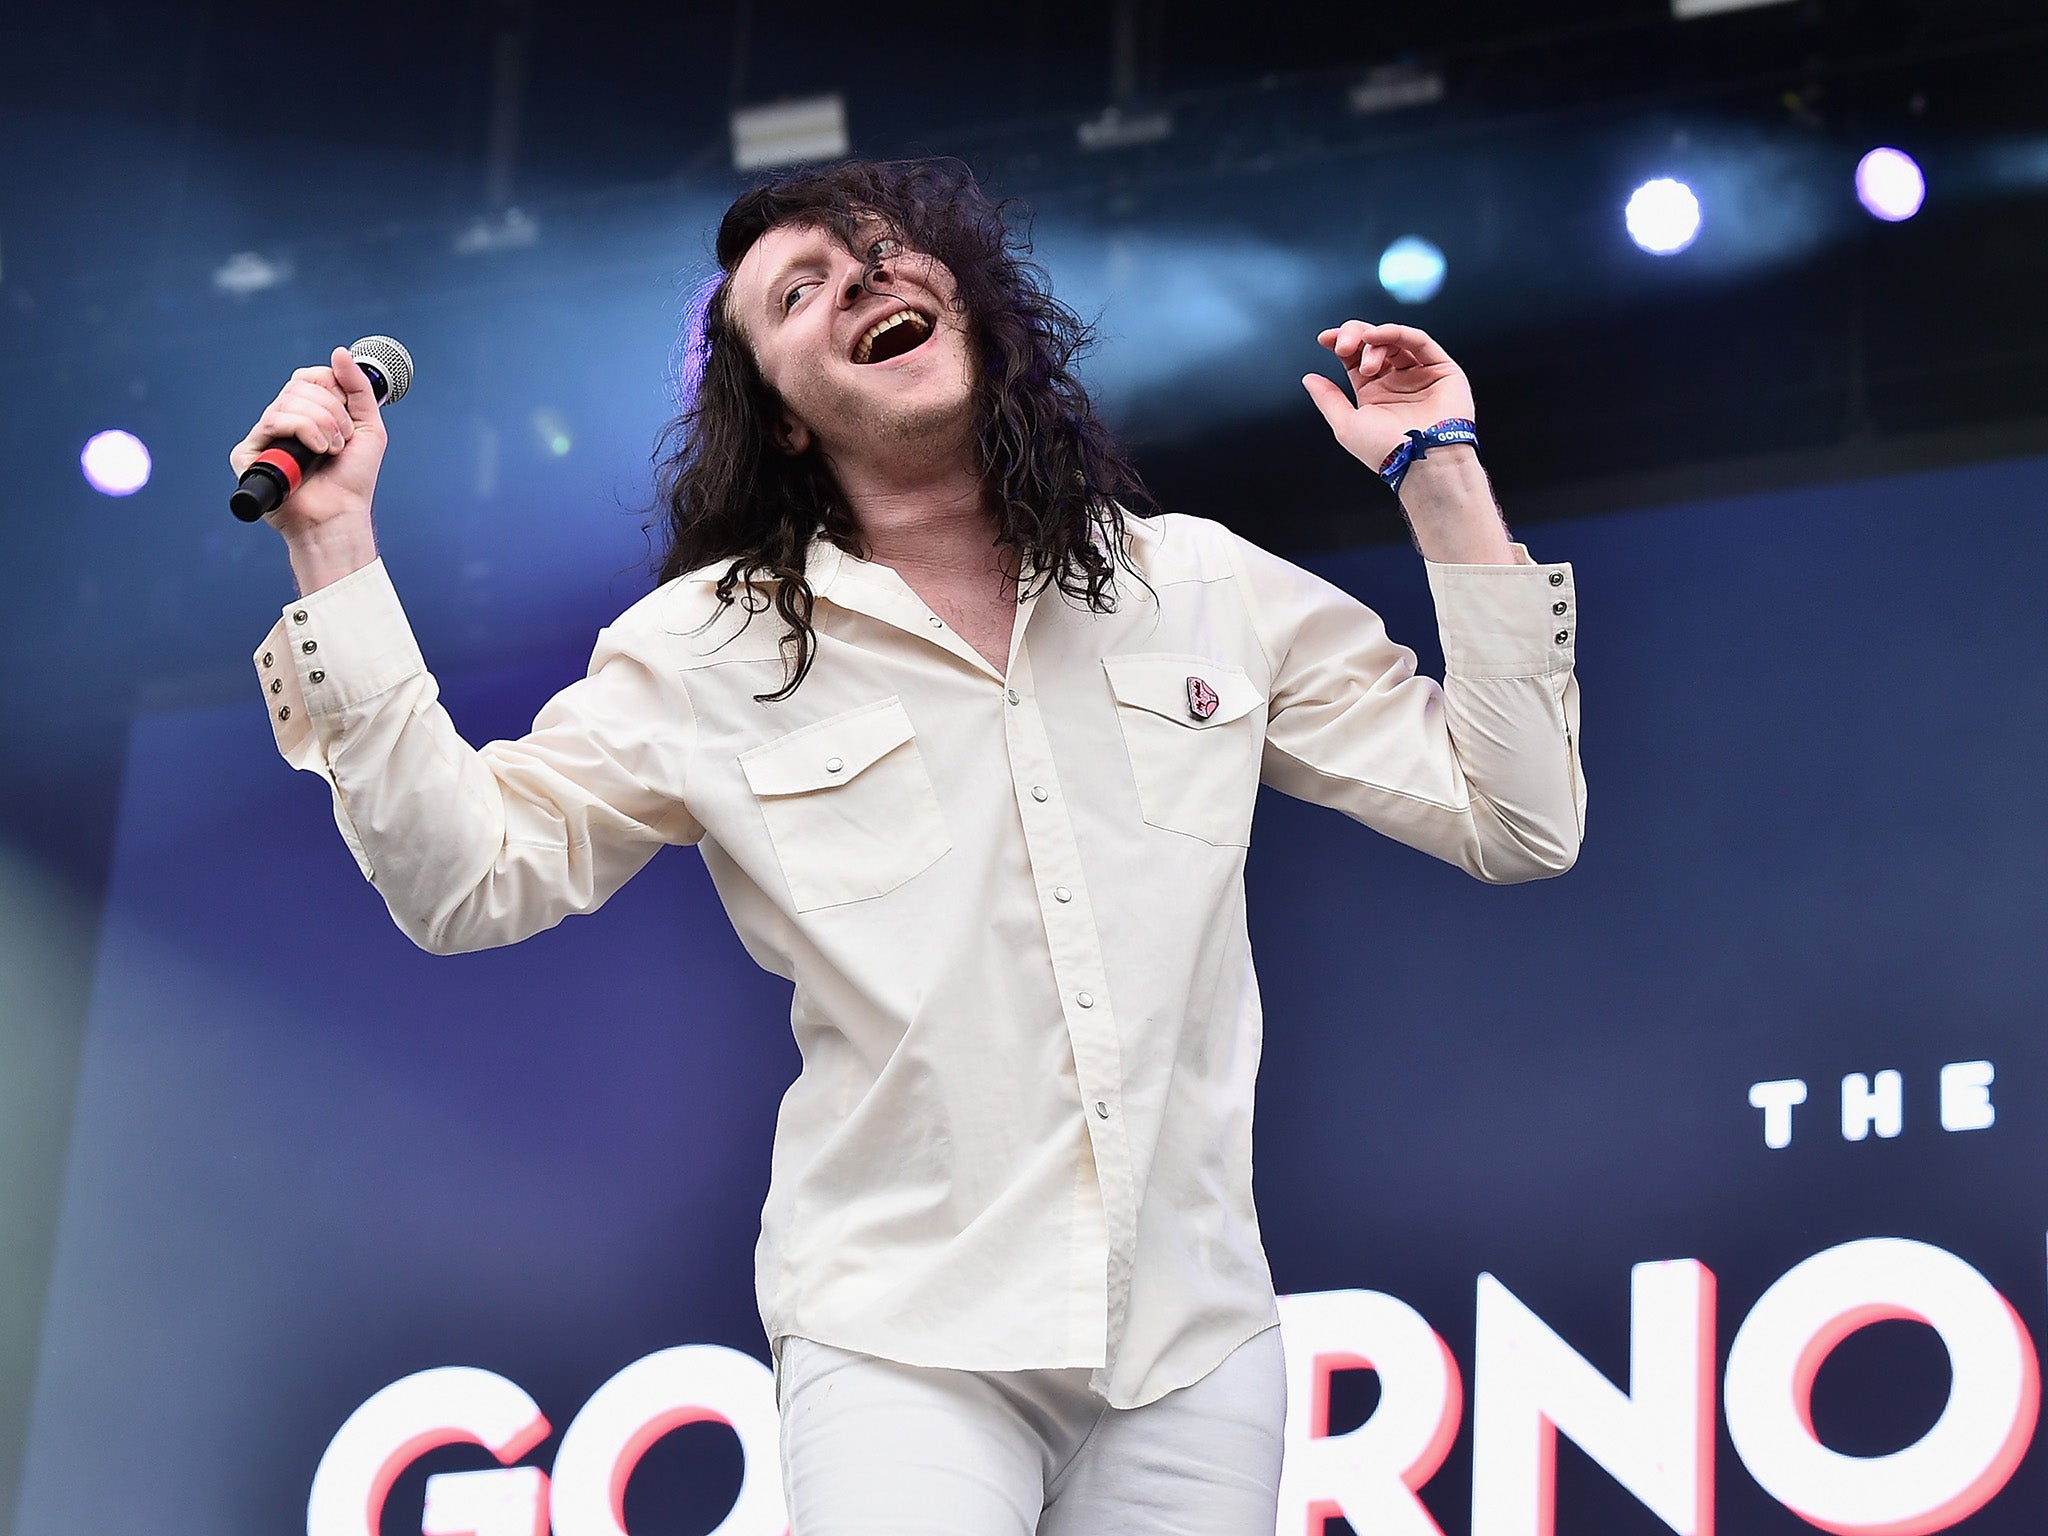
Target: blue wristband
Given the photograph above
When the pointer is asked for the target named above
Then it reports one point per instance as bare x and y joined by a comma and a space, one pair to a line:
1418, 442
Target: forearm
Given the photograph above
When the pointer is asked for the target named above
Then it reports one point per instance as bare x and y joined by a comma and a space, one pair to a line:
1449, 504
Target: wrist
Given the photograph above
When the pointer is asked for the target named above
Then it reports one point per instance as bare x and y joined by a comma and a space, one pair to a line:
1451, 513
324, 553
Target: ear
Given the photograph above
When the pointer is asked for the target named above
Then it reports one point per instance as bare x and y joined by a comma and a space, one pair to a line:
791, 435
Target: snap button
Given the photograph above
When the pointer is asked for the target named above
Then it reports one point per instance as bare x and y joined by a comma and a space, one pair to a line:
834, 764
1557, 578
277, 685
299, 616
1561, 636
309, 646
935, 621
1038, 792
266, 658
1557, 607
1102, 1108
284, 712
1061, 893
1013, 696
316, 677
1086, 999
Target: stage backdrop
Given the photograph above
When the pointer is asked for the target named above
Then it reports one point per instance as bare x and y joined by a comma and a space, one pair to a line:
1704, 1187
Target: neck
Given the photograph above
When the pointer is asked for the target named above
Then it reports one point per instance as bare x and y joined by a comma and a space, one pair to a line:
934, 518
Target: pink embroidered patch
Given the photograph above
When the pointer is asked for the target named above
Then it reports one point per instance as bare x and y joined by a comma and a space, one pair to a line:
1202, 700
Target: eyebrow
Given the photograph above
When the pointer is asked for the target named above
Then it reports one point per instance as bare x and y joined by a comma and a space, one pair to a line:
775, 283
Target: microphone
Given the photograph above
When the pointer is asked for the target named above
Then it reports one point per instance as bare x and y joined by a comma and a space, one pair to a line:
280, 467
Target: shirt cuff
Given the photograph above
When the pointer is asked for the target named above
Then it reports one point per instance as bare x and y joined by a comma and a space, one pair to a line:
1519, 620
334, 648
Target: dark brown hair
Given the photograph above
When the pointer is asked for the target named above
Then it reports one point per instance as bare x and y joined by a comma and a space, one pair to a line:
1056, 482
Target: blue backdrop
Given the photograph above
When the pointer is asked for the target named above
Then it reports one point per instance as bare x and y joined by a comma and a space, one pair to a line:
309, 1159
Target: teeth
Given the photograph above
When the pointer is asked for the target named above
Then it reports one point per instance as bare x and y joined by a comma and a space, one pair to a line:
866, 348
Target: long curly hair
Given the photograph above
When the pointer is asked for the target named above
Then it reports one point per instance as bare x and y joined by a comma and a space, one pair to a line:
1057, 484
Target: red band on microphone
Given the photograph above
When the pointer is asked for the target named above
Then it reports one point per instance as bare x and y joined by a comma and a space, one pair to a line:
285, 465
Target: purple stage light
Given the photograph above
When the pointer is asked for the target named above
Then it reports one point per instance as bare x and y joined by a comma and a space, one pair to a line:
687, 364
115, 463
1889, 185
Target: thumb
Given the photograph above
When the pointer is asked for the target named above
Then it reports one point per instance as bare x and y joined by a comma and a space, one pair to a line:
356, 387
1330, 399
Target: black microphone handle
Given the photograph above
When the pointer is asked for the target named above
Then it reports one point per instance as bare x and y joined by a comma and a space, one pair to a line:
274, 476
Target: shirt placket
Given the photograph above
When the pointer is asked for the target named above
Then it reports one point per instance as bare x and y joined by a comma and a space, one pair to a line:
890, 599
1105, 1221
1106, 1215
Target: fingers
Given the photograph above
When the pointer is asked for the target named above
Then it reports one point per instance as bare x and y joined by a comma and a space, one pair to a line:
359, 398
281, 423
323, 408
312, 408
316, 408
1359, 345
1353, 343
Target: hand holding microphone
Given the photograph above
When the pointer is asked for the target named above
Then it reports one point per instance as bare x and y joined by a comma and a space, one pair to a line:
313, 456
309, 465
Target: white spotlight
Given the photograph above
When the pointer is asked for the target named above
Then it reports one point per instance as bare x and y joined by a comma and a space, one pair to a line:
115, 463
1412, 269
1889, 184
1663, 216
1687, 10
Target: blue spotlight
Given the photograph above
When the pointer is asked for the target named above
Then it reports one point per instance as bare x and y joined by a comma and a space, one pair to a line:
1889, 185
1412, 269
1663, 216
115, 463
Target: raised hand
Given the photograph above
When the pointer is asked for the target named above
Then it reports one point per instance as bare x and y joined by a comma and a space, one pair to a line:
1401, 379
326, 522
333, 411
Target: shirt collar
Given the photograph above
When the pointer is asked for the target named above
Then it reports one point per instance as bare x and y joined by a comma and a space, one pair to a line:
823, 562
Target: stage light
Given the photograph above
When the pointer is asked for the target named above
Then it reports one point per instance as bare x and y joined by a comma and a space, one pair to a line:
248, 272
552, 432
1118, 129
1390, 87
512, 230
1889, 185
115, 463
1412, 269
1663, 216
789, 133
1689, 10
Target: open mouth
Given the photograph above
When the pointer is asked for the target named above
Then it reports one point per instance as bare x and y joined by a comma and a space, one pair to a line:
892, 336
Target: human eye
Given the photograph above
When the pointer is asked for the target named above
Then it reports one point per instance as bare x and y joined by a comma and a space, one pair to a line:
790, 298
884, 248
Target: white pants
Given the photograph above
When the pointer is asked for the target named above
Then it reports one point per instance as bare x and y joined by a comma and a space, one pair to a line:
874, 1448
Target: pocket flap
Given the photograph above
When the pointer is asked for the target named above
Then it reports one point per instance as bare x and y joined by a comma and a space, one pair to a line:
829, 753
1171, 686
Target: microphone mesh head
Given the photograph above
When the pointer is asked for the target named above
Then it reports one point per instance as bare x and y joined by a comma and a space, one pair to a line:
389, 359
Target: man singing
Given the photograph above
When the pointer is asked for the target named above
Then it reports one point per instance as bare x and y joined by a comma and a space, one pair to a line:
969, 738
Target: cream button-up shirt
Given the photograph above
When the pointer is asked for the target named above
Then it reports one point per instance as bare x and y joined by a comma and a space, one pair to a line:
1011, 904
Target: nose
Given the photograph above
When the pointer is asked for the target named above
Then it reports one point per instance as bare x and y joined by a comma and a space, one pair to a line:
872, 277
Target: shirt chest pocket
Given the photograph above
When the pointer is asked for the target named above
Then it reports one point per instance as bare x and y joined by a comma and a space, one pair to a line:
1195, 730
848, 805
